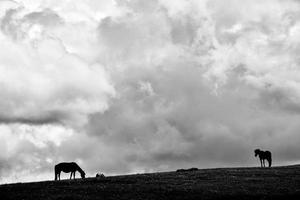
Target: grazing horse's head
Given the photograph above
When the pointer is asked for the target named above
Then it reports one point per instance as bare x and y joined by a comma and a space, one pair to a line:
82, 174
256, 151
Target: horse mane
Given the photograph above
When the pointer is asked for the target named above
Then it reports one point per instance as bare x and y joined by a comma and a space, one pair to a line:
79, 169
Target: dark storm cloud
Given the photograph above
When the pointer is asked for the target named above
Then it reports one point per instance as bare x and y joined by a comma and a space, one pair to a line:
46, 17
51, 118
216, 112
181, 122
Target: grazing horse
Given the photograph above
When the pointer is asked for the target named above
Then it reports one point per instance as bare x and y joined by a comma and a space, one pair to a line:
68, 167
263, 155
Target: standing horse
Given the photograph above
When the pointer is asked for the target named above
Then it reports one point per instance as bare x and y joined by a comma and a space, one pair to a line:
68, 167
263, 155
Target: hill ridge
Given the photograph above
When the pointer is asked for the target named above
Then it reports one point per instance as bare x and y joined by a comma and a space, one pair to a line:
278, 182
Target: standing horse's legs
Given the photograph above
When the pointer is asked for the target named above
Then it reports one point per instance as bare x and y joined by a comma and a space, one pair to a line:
260, 162
74, 174
71, 175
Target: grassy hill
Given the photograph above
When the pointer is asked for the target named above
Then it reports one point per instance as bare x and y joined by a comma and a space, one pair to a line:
223, 183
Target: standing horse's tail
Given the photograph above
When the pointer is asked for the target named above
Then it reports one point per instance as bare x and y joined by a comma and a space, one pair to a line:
270, 162
270, 159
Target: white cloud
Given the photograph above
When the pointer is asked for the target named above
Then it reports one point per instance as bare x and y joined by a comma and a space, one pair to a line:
149, 85
41, 81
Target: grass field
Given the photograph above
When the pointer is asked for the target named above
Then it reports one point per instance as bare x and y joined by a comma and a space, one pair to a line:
222, 183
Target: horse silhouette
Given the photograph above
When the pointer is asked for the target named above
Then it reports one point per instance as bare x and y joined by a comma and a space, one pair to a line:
68, 167
263, 155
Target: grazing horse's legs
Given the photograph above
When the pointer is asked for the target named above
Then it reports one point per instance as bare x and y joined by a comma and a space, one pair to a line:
56, 172
72, 175
56, 175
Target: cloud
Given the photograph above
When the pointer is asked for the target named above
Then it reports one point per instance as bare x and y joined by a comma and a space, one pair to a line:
141, 86
41, 81
205, 73
28, 151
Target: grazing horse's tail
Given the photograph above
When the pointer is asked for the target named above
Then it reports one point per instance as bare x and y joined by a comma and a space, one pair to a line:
55, 173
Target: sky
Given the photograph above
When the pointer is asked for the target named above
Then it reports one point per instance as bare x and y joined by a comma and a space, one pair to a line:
134, 86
